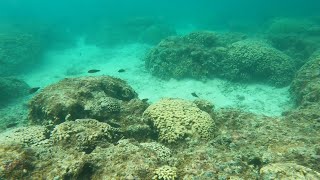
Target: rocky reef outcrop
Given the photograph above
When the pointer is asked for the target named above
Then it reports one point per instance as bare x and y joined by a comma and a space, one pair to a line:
206, 54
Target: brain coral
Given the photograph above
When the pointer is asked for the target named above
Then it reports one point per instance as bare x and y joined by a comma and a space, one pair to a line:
99, 97
175, 119
255, 60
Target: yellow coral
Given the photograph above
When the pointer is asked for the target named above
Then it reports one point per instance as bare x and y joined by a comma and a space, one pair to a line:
165, 173
177, 118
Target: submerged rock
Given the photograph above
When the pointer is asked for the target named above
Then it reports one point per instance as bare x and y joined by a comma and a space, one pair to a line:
84, 134
208, 54
288, 171
306, 86
99, 97
194, 55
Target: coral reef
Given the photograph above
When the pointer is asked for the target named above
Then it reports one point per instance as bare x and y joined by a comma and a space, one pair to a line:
134, 161
198, 142
84, 134
244, 145
11, 89
86, 97
249, 60
27, 136
165, 173
305, 90
288, 171
162, 151
206, 54
16, 162
177, 119
195, 55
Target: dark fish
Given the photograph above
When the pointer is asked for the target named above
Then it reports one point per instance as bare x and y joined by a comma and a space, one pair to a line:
93, 70
121, 70
194, 94
11, 125
33, 90
144, 100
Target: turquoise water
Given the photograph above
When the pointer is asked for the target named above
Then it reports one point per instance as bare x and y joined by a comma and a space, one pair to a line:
164, 90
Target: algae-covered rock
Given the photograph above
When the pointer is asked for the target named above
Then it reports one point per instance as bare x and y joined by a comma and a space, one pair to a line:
16, 162
287, 171
11, 89
194, 55
305, 87
126, 160
208, 54
176, 119
84, 134
26, 136
99, 97
18, 51
253, 60
55, 162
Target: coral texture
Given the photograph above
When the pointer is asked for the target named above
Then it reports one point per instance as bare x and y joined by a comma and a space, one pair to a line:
84, 134
249, 60
176, 119
86, 97
165, 173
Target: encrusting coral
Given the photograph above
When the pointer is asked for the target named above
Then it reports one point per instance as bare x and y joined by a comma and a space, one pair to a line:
84, 134
288, 171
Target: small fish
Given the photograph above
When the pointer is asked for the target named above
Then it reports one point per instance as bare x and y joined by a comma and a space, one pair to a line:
194, 94
144, 100
93, 70
33, 90
121, 70
11, 125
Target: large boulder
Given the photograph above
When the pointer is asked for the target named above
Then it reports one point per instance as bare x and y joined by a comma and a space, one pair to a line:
206, 54
100, 98
196, 55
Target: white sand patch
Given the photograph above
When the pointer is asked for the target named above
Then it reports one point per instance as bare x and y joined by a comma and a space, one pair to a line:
77, 61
